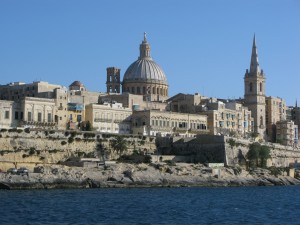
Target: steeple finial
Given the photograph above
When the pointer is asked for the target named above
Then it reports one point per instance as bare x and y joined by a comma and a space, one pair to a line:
254, 65
145, 49
296, 104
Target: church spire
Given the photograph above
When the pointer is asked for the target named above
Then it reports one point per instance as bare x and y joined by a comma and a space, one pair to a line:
145, 49
254, 65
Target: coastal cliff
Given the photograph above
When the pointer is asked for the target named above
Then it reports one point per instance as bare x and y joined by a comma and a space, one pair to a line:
143, 175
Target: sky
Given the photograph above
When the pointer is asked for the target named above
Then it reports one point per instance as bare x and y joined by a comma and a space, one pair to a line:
203, 46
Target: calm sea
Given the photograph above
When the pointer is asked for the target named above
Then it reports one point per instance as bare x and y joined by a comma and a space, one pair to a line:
241, 205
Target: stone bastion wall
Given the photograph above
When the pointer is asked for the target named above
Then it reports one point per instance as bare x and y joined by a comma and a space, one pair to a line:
20, 148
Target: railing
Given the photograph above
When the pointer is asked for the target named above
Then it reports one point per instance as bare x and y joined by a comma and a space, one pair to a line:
40, 124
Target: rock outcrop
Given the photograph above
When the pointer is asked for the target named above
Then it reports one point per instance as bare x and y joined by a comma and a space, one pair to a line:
141, 175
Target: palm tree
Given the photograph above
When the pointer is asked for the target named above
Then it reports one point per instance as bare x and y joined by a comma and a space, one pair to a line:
119, 144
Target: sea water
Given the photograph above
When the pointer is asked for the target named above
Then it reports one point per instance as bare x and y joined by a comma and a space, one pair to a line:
234, 205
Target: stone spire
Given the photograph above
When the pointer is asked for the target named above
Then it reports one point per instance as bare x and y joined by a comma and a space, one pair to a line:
145, 49
254, 65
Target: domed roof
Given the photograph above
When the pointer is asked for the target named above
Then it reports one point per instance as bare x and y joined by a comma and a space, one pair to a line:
145, 69
76, 83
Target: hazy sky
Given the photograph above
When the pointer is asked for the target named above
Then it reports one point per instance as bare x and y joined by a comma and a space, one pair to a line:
203, 46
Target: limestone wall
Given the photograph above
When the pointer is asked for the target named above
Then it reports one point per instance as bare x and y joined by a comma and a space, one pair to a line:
230, 151
48, 147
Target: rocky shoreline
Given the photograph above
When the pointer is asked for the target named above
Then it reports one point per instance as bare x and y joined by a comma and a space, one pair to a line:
123, 175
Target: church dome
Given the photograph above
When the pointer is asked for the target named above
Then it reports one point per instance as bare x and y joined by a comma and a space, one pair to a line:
145, 69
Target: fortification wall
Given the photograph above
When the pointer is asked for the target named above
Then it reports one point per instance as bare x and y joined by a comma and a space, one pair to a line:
20, 148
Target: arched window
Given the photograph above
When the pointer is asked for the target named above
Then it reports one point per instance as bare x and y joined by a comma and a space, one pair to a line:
250, 87
153, 92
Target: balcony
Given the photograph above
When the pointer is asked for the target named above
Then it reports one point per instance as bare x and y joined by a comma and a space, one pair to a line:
38, 124
102, 120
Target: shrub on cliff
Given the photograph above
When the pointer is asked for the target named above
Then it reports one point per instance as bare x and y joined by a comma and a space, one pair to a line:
119, 144
70, 140
258, 155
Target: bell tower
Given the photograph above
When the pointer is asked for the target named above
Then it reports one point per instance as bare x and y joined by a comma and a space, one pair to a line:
255, 92
113, 80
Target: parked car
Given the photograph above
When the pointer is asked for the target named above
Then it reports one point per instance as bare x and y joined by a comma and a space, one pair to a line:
22, 170
12, 170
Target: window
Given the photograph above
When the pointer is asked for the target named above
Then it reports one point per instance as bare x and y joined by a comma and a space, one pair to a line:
261, 120
250, 87
6, 114
21, 115
39, 117
49, 117
29, 117
260, 87
138, 90
16, 115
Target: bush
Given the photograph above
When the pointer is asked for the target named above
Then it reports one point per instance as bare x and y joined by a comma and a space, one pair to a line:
89, 135
70, 140
46, 133
63, 143
67, 133
51, 132
19, 130
73, 134
275, 171
13, 130
31, 151
3, 130
27, 130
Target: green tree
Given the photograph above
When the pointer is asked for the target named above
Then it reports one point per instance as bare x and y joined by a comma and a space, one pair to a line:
119, 144
264, 154
253, 154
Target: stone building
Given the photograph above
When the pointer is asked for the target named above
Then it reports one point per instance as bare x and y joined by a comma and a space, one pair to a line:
275, 112
132, 101
254, 97
145, 77
186, 103
37, 112
109, 118
167, 123
17, 90
287, 133
229, 119
7, 114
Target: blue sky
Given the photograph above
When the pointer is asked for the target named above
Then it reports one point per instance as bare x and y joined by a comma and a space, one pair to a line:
203, 46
